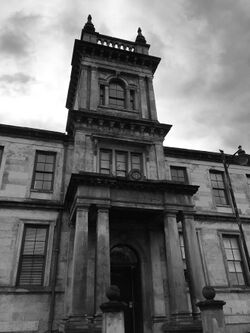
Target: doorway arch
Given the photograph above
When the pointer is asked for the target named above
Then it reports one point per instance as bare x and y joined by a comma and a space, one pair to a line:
126, 274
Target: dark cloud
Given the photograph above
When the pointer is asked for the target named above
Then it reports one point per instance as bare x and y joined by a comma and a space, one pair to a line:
17, 78
14, 44
15, 37
16, 83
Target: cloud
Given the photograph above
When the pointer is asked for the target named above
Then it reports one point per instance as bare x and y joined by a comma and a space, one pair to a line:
15, 37
16, 83
13, 44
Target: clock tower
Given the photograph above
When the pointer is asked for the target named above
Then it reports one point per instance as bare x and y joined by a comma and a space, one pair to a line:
118, 192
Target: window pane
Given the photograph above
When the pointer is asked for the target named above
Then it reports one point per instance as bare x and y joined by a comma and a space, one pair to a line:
116, 94
136, 161
218, 188
234, 260
44, 171
105, 161
178, 174
33, 256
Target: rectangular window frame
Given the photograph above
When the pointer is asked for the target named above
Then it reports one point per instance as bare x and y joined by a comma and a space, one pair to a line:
141, 161
18, 247
102, 95
125, 153
110, 152
113, 160
248, 180
245, 271
179, 168
48, 153
224, 189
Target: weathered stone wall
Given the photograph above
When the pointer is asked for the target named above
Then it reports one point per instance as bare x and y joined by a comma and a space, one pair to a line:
24, 309
211, 222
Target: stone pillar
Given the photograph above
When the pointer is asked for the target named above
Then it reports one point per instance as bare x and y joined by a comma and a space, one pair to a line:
151, 97
102, 255
193, 260
113, 312
94, 89
80, 263
175, 270
212, 316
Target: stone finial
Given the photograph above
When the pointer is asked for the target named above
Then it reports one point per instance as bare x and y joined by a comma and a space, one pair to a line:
113, 293
140, 39
89, 26
208, 292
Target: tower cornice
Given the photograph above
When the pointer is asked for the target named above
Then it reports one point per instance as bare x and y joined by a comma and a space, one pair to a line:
95, 122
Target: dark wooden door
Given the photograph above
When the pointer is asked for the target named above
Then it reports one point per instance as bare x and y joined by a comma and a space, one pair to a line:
127, 277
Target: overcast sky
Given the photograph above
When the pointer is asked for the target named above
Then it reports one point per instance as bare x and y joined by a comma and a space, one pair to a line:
202, 84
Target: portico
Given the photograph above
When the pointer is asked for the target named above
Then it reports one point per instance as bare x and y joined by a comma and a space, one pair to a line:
107, 212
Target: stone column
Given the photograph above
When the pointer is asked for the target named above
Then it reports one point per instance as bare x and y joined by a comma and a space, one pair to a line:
193, 260
80, 263
102, 256
151, 97
175, 270
212, 316
94, 89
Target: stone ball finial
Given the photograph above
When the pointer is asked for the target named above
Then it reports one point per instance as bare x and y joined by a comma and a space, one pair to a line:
89, 26
140, 39
208, 292
113, 293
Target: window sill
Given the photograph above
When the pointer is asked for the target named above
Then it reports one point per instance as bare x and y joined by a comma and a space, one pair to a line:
41, 191
108, 107
28, 290
229, 289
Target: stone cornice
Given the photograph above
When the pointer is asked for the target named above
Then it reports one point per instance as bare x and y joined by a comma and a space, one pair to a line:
88, 49
116, 125
32, 133
220, 217
96, 179
31, 204
198, 155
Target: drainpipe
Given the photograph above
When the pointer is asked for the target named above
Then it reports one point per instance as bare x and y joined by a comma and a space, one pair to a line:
56, 249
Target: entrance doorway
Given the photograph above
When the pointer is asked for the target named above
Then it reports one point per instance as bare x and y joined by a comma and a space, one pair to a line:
125, 273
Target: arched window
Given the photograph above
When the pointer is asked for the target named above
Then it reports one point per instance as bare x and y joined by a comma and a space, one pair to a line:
116, 94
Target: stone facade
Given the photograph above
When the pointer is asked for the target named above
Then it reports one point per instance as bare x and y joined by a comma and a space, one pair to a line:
107, 197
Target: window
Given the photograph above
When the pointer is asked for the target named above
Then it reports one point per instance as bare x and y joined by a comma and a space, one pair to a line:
118, 162
136, 161
218, 188
33, 256
116, 94
44, 169
105, 161
234, 260
179, 174
248, 180
102, 95
121, 163
132, 100
183, 255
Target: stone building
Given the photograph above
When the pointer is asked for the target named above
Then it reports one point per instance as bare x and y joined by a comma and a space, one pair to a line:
107, 203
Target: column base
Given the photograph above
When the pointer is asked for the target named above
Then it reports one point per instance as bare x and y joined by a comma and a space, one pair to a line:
182, 323
81, 324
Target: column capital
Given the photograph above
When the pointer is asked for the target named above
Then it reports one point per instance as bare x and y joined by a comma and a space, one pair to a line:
170, 213
103, 207
82, 207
